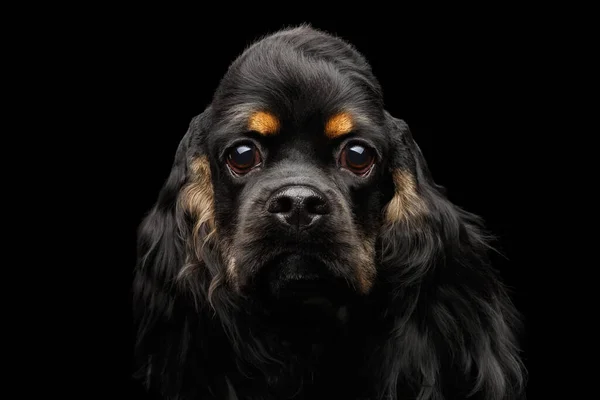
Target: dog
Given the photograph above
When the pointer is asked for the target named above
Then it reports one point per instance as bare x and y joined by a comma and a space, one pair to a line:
300, 248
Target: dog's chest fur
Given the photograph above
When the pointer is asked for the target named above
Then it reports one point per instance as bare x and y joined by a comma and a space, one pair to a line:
330, 363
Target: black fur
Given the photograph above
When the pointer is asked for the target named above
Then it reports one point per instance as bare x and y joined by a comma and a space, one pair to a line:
437, 323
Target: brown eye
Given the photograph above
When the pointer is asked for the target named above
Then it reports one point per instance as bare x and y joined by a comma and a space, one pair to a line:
243, 158
357, 158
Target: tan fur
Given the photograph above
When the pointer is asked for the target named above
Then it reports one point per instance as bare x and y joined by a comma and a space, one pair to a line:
232, 272
366, 270
406, 205
339, 125
264, 123
196, 199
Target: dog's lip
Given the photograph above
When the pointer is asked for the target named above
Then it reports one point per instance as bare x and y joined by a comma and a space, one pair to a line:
306, 281
289, 254
301, 276
315, 270
317, 301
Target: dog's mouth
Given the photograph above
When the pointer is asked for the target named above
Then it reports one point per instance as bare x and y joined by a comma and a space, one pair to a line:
303, 280
303, 298
294, 281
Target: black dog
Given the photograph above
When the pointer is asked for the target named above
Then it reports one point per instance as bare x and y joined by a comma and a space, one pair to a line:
300, 249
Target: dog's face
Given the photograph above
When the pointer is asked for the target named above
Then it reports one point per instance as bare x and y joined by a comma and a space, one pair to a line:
299, 159
306, 168
297, 193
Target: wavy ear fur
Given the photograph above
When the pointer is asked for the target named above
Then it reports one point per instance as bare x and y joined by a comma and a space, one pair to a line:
454, 327
168, 243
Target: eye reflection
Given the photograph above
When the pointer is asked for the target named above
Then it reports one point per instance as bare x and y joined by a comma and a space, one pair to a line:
357, 156
243, 155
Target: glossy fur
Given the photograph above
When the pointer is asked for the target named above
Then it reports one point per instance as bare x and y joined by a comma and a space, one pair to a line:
426, 314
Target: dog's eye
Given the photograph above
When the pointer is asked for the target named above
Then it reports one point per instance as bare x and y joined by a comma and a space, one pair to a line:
243, 158
357, 158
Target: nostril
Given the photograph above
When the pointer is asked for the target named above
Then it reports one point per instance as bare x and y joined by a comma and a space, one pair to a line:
280, 205
316, 205
298, 206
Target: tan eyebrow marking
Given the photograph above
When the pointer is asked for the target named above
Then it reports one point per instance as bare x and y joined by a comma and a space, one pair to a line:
338, 125
264, 123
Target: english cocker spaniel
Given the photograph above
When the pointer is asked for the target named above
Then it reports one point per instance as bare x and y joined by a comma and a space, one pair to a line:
300, 249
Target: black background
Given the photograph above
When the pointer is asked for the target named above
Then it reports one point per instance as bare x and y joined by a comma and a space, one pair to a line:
465, 85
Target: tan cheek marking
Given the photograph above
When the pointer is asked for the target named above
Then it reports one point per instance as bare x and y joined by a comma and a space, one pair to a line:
264, 123
406, 203
338, 125
197, 200
366, 270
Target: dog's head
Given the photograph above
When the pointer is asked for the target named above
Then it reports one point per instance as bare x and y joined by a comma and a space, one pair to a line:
294, 169
296, 183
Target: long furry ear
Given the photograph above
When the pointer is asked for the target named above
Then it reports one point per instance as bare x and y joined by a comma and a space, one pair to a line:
454, 326
182, 214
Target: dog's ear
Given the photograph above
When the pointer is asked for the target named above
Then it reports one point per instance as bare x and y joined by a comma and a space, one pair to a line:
451, 312
419, 220
167, 237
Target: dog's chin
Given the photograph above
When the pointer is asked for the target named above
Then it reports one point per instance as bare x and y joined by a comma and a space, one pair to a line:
302, 294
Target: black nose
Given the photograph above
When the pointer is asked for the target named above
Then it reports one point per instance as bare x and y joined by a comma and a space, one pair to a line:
298, 206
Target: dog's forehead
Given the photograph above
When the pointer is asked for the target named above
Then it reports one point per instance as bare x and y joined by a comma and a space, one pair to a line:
274, 86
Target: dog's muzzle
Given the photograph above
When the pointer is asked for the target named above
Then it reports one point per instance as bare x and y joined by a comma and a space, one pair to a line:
294, 254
